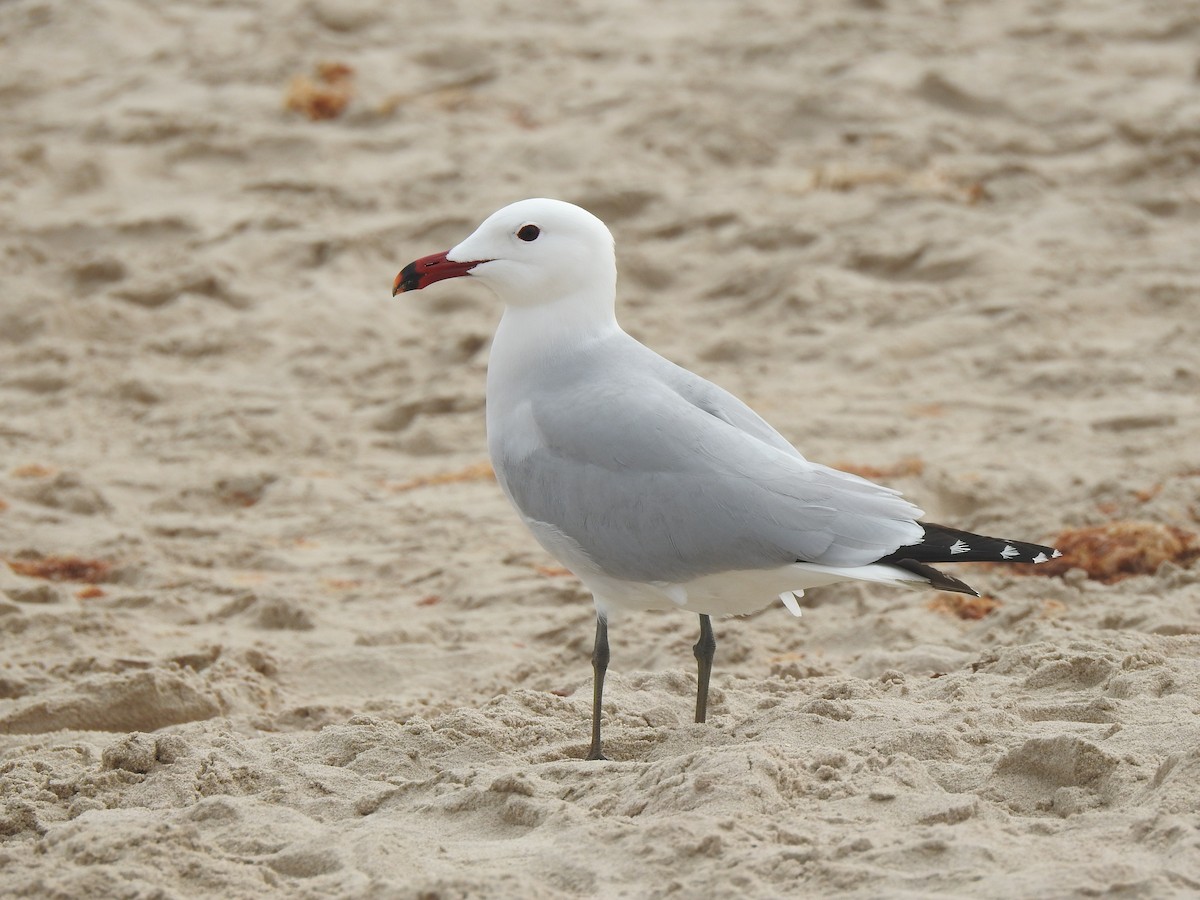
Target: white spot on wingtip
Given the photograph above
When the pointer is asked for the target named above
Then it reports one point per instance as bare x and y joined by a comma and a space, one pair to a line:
1009, 551
788, 598
1057, 554
959, 547
1040, 558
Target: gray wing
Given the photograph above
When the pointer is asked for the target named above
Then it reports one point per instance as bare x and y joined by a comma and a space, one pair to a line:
660, 476
718, 402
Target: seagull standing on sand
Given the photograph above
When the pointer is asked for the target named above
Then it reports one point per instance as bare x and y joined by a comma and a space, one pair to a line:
658, 489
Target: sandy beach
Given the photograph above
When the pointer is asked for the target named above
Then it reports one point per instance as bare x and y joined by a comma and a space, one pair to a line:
268, 627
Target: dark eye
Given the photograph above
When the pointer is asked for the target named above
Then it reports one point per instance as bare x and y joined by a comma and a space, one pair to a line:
529, 232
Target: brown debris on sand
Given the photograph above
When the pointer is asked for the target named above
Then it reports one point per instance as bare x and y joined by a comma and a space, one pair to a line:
1119, 550
964, 606
325, 95
62, 568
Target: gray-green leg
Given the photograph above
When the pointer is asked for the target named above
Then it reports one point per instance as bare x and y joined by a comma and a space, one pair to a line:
599, 667
704, 650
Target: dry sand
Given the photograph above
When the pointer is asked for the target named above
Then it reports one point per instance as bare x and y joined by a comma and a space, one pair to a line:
964, 233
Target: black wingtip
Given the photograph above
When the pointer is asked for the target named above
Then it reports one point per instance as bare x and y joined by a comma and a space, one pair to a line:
942, 544
938, 580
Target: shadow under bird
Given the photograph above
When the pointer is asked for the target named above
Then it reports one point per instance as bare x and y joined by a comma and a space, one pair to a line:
657, 488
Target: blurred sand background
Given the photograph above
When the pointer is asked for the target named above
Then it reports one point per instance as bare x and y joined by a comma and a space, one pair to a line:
308, 651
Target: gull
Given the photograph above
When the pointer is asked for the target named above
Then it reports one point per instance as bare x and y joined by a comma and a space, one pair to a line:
655, 487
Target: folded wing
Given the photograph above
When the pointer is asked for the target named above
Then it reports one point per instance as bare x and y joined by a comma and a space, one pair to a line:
661, 476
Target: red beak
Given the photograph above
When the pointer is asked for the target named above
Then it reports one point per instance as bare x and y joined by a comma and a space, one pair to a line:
428, 269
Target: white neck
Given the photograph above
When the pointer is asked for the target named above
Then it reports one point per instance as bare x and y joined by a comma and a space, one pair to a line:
534, 337
561, 325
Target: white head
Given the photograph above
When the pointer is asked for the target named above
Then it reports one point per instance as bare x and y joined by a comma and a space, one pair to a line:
530, 253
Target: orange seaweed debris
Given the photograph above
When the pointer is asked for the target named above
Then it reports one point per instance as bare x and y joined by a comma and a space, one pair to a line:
33, 470
333, 72
62, 568
479, 471
431, 600
964, 606
1148, 494
901, 469
324, 97
552, 571
3, 505
241, 498
1118, 550
91, 592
